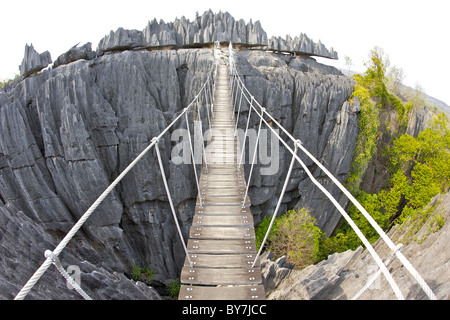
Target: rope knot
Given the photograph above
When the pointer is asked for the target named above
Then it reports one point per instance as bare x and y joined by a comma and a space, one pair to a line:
155, 139
50, 254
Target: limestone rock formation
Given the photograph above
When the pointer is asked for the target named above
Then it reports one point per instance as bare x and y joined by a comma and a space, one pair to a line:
206, 29
159, 34
74, 54
310, 101
121, 39
301, 45
68, 132
33, 61
342, 275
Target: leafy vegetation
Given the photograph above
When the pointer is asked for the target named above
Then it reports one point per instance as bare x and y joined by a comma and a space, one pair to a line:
173, 289
295, 236
5, 82
419, 169
142, 274
366, 142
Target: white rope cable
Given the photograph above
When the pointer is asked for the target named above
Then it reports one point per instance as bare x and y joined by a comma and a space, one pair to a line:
166, 186
48, 261
253, 162
382, 234
276, 208
193, 159
201, 133
346, 217
242, 160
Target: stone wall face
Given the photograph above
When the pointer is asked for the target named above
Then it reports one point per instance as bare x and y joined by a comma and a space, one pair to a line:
68, 132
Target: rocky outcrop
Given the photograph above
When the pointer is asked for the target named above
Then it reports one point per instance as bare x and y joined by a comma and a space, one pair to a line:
22, 243
306, 284
69, 131
310, 101
301, 45
342, 275
120, 40
66, 134
34, 62
206, 29
74, 54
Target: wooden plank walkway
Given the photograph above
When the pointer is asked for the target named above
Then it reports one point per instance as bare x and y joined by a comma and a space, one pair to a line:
221, 241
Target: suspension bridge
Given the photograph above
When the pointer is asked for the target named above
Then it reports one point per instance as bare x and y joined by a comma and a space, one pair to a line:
222, 261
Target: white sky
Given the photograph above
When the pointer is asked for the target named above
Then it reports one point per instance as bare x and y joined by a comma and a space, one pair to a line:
415, 34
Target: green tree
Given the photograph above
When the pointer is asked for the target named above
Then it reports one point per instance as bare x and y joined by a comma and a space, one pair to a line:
348, 63
297, 237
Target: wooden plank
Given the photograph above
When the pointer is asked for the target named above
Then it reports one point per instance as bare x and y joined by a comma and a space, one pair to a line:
223, 221
242, 260
221, 246
254, 292
222, 210
221, 276
232, 192
225, 168
221, 183
222, 233
230, 167
219, 177
225, 185
219, 201
205, 178
222, 161
222, 172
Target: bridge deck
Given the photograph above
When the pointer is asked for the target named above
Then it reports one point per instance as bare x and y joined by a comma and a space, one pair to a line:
221, 241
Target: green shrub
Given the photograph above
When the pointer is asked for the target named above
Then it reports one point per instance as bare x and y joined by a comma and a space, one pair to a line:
261, 230
366, 141
173, 289
297, 237
142, 274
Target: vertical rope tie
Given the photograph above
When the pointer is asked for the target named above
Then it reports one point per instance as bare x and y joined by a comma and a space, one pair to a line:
253, 159
193, 159
166, 186
242, 160
286, 181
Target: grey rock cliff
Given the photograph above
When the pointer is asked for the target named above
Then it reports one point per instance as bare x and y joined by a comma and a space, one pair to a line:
310, 101
75, 53
68, 132
301, 45
33, 61
206, 29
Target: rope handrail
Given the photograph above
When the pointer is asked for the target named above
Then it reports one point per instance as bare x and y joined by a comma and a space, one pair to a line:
343, 213
52, 255
235, 77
